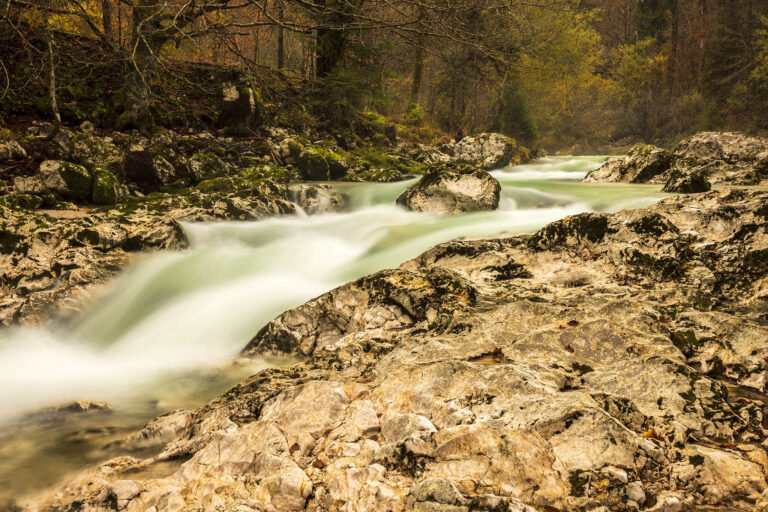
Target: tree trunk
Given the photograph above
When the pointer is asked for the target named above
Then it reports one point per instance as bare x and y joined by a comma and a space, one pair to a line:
142, 59
280, 36
331, 36
330, 48
418, 71
52, 79
106, 18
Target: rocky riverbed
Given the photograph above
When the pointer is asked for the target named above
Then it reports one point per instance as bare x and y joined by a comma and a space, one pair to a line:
606, 362
697, 163
75, 205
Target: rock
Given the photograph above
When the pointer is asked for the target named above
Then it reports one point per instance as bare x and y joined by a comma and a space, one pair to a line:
635, 492
159, 431
430, 155
123, 491
713, 156
446, 191
337, 165
27, 184
146, 171
388, 299
440, 386
106, 189
315, 199
643, 163
312, 165
91, 151
62, 411
205, 166
690, 183
241, 109
70, 181
489, 150
11, 150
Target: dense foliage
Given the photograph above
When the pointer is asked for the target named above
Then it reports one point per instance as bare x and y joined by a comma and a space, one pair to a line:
585, 75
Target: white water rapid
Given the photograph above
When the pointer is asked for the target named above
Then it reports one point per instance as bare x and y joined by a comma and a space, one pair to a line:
162, 335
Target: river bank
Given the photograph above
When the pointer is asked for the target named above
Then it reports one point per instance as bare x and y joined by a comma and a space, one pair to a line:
638, 278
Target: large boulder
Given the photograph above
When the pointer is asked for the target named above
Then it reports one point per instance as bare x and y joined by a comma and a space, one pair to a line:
643, 163
726, 157
449, 191
70, 181
241, 109
148, 172
106, 187
681, 182
489, 150
313, 165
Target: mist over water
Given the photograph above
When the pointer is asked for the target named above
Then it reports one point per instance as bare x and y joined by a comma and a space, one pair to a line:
156, 338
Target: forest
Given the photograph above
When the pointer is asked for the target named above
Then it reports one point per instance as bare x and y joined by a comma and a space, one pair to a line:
559, 74
383, 255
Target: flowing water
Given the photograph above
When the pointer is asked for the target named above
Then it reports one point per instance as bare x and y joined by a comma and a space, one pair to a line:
167, 330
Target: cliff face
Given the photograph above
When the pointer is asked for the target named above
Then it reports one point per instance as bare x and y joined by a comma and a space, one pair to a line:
606, 361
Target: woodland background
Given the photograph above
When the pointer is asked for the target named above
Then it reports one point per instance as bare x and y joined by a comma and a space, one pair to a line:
570, 75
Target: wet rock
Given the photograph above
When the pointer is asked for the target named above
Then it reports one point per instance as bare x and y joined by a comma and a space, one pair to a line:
69, 180
718, 157
315, 199
62, 411
437, 386
687, 183
159, 431
643, 163
489, 150
389, 299
449, 191
313, 165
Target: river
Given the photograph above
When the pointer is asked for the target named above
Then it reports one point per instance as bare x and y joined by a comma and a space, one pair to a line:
166, 331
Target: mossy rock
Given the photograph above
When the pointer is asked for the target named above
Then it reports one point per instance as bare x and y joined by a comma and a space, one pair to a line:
205, 166
70, 181
27, 201
692, 183
256, 174
106, 189
312, 165
222, 184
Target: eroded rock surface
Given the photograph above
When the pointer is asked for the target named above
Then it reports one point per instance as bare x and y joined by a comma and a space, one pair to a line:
607, 362
720, 158
643, 163
447, 190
